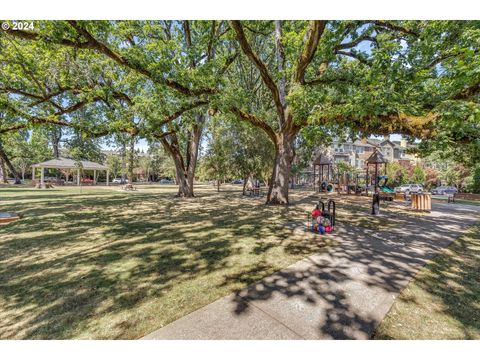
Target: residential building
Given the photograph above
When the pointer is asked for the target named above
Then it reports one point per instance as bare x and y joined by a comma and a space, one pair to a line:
356, 153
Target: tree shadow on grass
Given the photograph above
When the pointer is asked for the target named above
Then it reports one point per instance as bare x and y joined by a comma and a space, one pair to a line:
74, 261
343, 289
453, 279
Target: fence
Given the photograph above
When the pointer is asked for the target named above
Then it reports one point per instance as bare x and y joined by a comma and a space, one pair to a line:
466, 196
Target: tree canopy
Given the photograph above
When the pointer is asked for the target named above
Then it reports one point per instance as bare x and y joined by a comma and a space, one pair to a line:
163, 80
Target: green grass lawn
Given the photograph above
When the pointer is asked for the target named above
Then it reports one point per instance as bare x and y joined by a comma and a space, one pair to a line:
99, 262
443, 300
110, 264
459, 201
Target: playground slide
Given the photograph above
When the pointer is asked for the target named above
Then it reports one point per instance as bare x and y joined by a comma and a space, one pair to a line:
386, 189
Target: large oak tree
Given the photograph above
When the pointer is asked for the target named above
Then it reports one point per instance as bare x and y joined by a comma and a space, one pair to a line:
370, 77
156, 79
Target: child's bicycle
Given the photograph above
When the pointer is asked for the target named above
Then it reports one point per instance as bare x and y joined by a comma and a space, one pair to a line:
329, 216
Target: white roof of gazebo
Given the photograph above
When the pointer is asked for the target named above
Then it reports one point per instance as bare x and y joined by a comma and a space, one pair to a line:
65, 163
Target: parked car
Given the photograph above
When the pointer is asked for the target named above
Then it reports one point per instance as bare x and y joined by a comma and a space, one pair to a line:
166, 181
14, 181
119, 181
87, 181
409, 188
237, 182
445, 190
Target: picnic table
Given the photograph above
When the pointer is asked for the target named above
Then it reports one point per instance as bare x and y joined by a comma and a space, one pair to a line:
129, 187
254, 191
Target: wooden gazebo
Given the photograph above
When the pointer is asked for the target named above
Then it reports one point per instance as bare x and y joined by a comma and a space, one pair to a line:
66, 163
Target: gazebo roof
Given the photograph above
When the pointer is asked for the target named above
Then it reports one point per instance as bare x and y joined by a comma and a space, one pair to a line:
376, 158
322, 160
66, 163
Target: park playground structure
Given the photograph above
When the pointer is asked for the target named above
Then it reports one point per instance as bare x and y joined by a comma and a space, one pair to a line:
327, 180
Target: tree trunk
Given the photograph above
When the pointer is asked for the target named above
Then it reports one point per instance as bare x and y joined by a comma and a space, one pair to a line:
192, 149
280, 54
3, 171
131, 159
244, 185
56, 136
181, 173
124, 161
185, 169
6, 161
278, 189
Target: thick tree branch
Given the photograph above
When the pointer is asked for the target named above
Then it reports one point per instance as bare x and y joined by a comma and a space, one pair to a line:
313, 35
53, 119
48, 97
394, 27
355, 42
31, 120
94, 44
252, 119
9, 89
188, 40
280, 52
267, 79
176, 114
440, 58
125, 62
468, 92
30, 35
353, 55
159, 136
213, 35
395, 122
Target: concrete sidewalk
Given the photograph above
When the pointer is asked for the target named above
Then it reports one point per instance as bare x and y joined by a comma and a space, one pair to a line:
342, 293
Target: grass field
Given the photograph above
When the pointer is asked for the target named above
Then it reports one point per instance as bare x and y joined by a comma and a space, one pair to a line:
457, 201
443, 300
110, 264
103, 263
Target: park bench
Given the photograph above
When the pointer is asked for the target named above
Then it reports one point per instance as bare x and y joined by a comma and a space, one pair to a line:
46, 184
254, 191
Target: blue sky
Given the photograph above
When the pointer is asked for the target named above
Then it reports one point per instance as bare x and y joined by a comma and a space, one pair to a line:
142, 145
